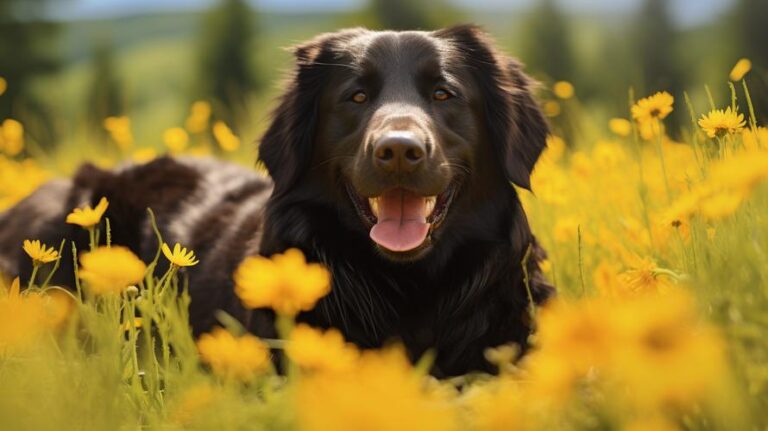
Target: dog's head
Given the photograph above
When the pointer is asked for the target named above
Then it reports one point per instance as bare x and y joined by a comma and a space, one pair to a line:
412, 134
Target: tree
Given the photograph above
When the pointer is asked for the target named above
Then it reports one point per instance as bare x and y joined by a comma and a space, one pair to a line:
751, 33
225, 74
546, 48
26, 52
655, 44
104, 99
402, 15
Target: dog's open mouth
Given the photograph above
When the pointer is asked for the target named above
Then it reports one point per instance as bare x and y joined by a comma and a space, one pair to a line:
401, 220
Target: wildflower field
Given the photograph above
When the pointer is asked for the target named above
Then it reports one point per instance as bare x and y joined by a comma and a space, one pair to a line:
658, 247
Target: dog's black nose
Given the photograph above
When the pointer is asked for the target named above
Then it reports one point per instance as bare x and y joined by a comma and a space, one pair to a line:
399, 151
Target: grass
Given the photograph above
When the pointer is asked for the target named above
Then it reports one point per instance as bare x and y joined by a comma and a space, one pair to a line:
658, 248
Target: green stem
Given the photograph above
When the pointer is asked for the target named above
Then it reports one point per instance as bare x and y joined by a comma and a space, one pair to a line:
55, 265
720, 148
660, 149
284, 325
78, 286
130, 319
166, 280
35, 267
92, 238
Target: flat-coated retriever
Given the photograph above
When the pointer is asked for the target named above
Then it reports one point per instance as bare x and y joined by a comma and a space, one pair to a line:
392, 156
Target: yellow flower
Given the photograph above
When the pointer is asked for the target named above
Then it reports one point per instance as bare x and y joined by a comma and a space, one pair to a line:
620, 126
555, 148
755, 139
719, 123
40, 253
498, 405
649, 129
200, 151
608, 154
191, 403
179, 256
582, 165
26, 315
108, 270
176, 139
382, 392
722, 204
241, 358
12, 136
653, 353
563, 89
653, 108
143, 155
18, 179
119, 129
197, 122
59, 306
22, 318
606, 279
638, 348
645, 277
566, 229
313, 349
3, 85
551, 109
227, 140
286, 282
653, 423
740, 172
502, 356
88, 217
681, 209
742, 67
578, 332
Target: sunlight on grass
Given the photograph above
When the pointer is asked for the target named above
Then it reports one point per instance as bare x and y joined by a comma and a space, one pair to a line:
657, 248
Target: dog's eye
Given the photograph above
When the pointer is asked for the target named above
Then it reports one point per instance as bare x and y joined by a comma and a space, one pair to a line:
441, 94
359, 97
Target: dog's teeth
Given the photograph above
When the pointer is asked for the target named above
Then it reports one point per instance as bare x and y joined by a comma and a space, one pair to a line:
374, 203
429, 204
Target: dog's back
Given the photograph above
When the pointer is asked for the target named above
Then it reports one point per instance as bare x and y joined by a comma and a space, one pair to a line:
213, 207
28, 220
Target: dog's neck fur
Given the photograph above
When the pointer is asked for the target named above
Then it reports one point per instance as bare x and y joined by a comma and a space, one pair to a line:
426, 304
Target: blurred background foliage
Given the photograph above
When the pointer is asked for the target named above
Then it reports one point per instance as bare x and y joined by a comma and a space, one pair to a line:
69, 64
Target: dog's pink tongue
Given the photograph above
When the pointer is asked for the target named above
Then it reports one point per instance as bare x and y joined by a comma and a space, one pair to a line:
402, 224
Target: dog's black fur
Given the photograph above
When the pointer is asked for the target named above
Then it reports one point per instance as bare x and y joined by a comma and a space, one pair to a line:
460, 293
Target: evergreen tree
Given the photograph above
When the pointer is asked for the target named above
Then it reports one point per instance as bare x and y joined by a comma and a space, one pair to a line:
546, 49
104, 98
751, 32
655, 41
402, 14
25, 53
655, 44
225, 74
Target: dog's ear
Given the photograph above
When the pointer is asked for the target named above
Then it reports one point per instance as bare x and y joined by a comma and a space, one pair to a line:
515, 124
286, 146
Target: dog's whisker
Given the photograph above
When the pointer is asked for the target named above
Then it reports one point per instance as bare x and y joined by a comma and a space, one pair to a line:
456, 166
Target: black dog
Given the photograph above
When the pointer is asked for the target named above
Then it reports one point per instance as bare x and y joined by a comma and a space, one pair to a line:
391, 155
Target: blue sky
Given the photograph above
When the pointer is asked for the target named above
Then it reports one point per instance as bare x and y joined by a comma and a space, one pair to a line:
686, 12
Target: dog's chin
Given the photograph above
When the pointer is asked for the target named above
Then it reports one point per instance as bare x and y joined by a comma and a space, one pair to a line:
402, 223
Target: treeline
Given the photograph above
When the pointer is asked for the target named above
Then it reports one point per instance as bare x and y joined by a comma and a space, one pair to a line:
648, 52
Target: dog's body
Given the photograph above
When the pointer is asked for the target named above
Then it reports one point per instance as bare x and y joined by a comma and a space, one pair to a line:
391, 156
